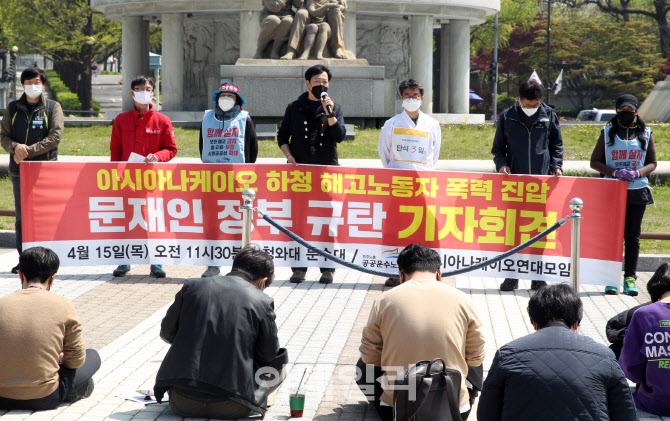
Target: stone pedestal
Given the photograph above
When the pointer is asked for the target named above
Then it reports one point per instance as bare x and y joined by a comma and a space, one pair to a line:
250, 29
270, 85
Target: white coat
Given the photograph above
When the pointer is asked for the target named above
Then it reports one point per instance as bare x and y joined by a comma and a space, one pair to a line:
425, 124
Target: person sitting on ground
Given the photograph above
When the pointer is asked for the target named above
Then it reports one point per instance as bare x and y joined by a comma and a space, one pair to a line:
223, 335
44, 361
555, 373
645, 357
402, 329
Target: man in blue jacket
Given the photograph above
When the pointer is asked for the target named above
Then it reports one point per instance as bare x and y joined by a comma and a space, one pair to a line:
528, 141
555, 374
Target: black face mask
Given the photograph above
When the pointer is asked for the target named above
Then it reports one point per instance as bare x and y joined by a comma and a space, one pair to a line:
626, 118
318, 90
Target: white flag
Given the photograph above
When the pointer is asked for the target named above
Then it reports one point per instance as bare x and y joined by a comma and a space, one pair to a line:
535, 77
559, 83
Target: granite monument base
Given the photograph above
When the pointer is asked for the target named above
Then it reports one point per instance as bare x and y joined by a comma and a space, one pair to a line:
270, 85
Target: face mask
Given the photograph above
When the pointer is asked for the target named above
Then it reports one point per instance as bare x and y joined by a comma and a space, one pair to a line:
626, 118
317, 90
33, 91
530, 111
411, 104
226, 103
143, 97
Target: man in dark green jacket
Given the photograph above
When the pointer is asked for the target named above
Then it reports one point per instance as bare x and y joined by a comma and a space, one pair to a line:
31, 130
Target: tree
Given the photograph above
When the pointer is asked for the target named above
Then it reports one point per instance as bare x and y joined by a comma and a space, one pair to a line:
513, 14
657, 10
66, 31
596, 68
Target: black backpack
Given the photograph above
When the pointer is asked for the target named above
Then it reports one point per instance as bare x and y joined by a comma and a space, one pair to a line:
436, 389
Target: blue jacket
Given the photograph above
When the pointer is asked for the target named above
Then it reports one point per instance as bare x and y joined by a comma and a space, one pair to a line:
555, 374
535, 151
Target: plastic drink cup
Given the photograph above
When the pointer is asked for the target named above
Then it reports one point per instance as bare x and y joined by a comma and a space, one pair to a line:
297, 404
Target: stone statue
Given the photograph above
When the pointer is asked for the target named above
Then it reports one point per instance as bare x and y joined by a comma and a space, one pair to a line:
326, 26
277, 26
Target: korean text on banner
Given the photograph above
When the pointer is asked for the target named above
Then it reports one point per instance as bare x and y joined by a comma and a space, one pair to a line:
105, 213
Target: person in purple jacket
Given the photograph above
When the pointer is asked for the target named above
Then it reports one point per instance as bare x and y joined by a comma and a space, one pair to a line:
645, 357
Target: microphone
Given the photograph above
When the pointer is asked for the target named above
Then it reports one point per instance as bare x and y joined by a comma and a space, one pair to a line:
324, 95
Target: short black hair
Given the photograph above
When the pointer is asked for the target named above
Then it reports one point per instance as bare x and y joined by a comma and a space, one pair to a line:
317, 70
141, 80
32, 73
38, 264
255, 264
530, 90
556, 303
659, 284
409, 84
418, 258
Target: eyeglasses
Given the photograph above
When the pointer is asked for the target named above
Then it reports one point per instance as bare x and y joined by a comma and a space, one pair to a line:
415, 96
142, 90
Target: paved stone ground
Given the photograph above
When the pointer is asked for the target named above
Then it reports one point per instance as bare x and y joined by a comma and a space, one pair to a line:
319, 325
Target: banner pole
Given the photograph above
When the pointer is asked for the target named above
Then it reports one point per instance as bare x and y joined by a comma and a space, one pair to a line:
248, 196
576, 204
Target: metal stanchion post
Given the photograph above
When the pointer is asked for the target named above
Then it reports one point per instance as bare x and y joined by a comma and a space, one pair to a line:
576, 204
247, 209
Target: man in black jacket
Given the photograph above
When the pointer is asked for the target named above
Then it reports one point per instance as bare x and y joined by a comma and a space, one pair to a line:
312, 127
223, 339
528, 141
31, 130
555, 373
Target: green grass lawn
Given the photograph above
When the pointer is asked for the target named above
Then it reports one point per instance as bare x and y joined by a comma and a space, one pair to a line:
458, 142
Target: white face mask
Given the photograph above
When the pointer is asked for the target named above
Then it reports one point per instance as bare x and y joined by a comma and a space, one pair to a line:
33, 91
530, 111
143, 97
226, 103
411, 104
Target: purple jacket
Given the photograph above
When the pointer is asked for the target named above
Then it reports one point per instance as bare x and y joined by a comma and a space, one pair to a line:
645, 357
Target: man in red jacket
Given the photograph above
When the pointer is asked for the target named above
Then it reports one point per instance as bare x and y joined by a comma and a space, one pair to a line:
145, 132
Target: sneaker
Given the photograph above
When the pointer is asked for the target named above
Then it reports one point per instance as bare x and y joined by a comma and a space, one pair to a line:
629, 286
15, 269
611, 291
211, 271
535, 285
82, 392
509, 284
122, 270
298, 276
326, 277
392, 282
157, 271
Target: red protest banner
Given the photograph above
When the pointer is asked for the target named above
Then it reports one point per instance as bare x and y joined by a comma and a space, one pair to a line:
104, 213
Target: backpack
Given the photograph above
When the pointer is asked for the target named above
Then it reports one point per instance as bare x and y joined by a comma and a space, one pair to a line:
437, 389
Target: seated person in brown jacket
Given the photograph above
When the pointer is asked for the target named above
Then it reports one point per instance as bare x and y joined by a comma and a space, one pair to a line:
43, 362
421, 319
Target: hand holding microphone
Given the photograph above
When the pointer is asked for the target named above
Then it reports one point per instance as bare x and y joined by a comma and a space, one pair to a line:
327, 104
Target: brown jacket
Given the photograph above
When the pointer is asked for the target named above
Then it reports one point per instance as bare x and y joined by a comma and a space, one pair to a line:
35, 327
420, 320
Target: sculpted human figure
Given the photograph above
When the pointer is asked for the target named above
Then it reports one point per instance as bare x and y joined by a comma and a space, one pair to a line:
327, 24
276, 24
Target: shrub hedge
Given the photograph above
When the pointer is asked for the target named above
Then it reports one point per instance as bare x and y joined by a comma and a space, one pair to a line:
61, 93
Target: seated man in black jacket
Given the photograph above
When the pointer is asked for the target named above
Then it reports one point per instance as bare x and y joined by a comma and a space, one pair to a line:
555, 374
224, 337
